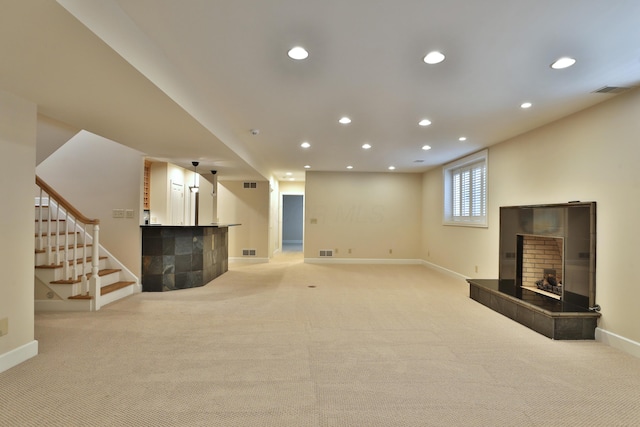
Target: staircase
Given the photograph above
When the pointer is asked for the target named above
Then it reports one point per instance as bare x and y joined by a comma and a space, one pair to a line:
73, 272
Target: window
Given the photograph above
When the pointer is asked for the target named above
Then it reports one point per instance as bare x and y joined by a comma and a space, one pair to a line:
465, 191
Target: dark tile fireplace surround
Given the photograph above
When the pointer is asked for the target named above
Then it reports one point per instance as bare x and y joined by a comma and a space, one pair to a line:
547, 270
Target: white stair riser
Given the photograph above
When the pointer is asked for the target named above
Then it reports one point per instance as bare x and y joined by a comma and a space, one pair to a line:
52, 274
57, 240
119, 294
41, 258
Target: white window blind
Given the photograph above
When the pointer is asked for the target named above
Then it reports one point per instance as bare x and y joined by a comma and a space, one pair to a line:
465, 197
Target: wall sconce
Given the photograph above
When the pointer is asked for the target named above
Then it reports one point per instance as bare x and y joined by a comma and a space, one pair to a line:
195, 187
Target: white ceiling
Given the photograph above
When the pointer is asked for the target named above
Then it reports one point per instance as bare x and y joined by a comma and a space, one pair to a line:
188, 80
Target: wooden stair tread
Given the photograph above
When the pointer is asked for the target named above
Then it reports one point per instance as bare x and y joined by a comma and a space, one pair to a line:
74, 281
114, 287
61, 248
62, 233
105, 290
78, 261
105, 272
81, 297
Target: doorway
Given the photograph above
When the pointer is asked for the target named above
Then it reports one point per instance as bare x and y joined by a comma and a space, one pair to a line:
177, 204
292, 222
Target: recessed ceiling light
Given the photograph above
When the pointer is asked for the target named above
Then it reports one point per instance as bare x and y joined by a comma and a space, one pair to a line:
292, 179
288, 174
434, 57
366, 146
424, 122
349, 167
305, 145
345, 120
426, 147
392, 168
307, 166
298, 53
462, 138
564, 62
526, 105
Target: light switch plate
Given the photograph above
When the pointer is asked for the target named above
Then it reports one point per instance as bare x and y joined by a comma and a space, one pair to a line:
128, 213
118, 213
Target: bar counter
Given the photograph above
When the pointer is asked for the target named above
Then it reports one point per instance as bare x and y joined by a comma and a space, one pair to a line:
181, 257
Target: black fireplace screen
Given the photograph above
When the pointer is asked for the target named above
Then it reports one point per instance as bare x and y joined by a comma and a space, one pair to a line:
570, 228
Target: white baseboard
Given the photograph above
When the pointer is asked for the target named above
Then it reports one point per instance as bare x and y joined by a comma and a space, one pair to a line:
17, 356
248, 260
330, 260
444, 270
619, 342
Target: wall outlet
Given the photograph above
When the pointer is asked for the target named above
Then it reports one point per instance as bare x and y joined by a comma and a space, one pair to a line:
390, 251
476, 268
128, 213
349, 250
118, 213
4, 326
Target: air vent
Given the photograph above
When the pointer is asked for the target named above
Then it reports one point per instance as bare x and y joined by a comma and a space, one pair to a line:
250, 185
611, 89
326, 252
248, 252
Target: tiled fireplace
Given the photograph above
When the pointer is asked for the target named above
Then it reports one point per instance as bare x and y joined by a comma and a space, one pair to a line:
547, 270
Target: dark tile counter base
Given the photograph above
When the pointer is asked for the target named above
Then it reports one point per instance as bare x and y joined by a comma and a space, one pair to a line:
181, 257
547, 316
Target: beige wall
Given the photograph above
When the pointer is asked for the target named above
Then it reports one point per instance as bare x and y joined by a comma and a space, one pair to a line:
98, 175
589, 156
162, 174
369, 213
17, 168
249, 207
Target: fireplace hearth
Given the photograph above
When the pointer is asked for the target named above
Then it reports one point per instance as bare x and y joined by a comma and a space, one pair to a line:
547, 269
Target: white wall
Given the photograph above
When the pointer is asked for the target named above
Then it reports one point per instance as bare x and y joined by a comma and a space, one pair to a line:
249, 207
369, 213
17, 167
97, 175
589, 156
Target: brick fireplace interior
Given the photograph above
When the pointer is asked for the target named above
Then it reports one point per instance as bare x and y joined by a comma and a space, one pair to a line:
542, 259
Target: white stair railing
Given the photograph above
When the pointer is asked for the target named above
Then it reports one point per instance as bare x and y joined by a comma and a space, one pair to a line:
60, 249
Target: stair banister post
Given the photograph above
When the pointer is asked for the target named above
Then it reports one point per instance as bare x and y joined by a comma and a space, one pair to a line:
85, 283
67, 270
39, 243
50, 259
94, 282
58, 257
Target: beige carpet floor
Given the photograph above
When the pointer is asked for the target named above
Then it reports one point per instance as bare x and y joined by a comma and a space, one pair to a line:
294, 344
